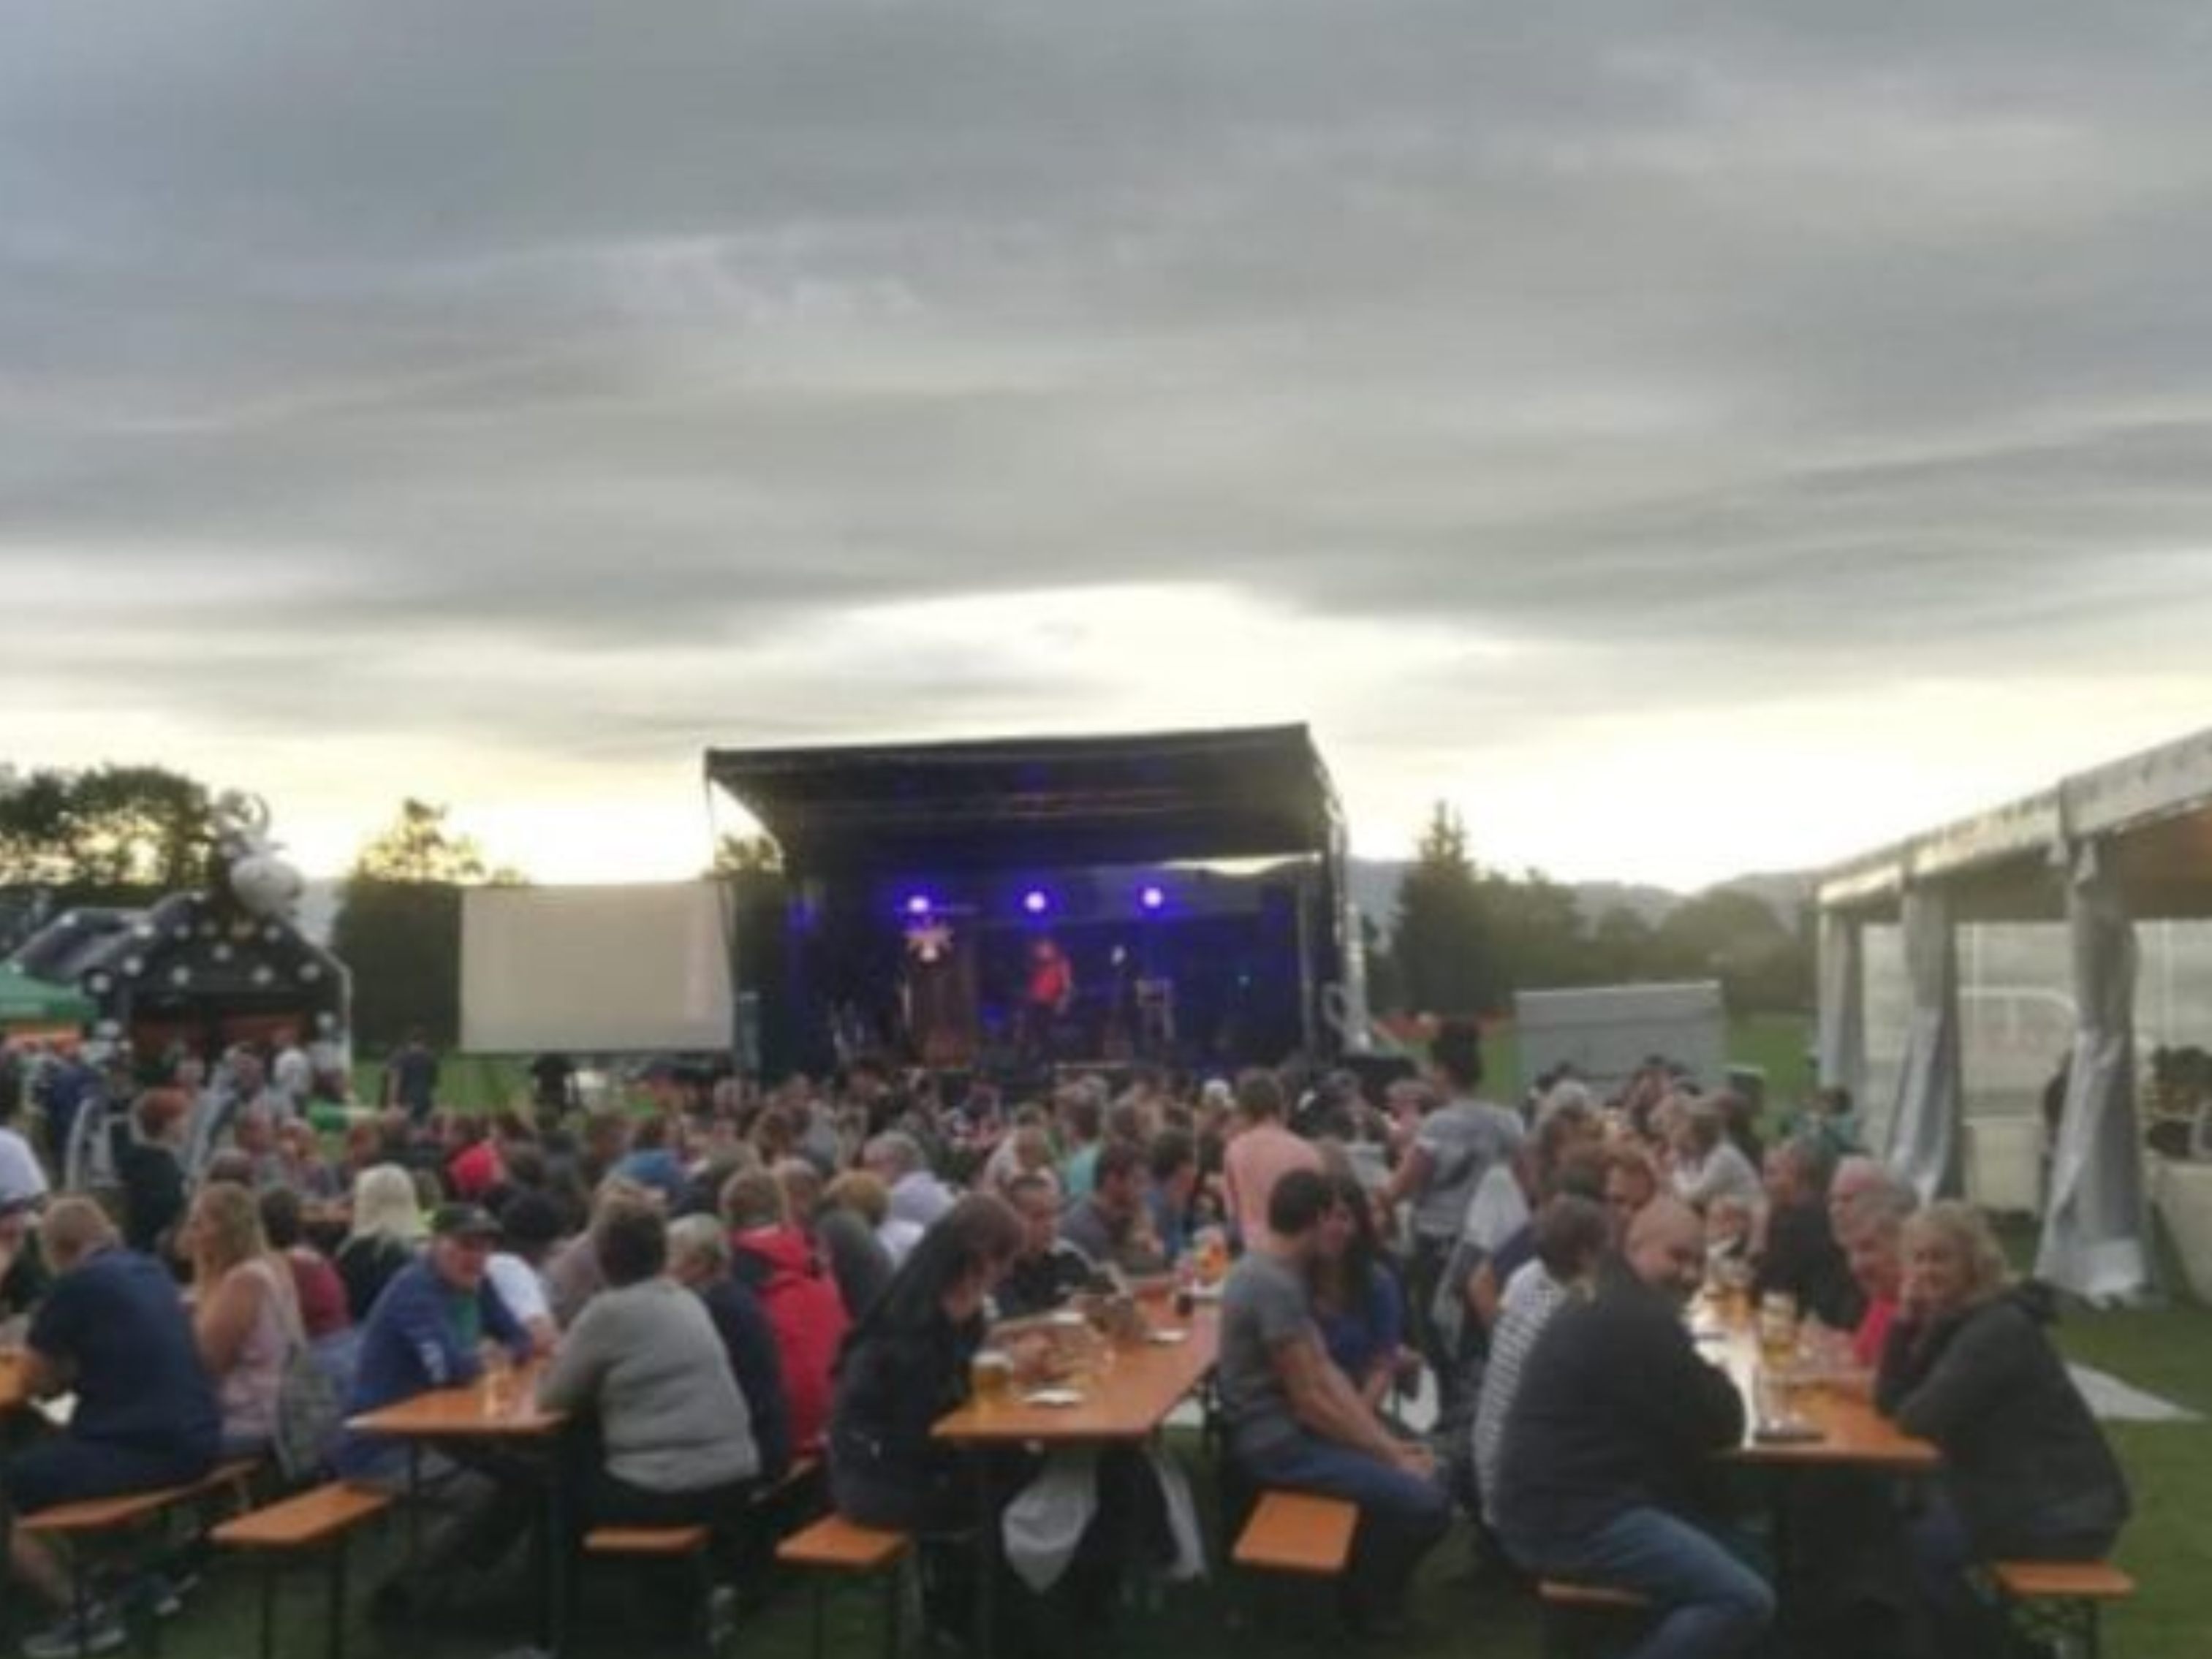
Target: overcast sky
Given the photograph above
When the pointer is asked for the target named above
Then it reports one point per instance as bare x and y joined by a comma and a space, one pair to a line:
1693, 438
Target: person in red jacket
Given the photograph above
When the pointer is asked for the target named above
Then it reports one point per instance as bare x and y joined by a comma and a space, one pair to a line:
779, 1264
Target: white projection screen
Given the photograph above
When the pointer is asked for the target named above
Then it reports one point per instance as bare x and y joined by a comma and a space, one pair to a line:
594, 970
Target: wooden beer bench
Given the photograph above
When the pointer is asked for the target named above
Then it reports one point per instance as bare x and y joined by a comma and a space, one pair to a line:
833, 1545
1581, 1618
320, 1519
89, 1521
2060, 1598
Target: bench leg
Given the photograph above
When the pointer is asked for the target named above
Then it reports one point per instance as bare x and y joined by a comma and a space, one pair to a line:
815, 1591
269, 1609
702, 1589
414, 1504
338, 1598
894, 1594
80, 1600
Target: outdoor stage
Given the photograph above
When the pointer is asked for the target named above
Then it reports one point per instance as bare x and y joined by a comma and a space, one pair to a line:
1007, 907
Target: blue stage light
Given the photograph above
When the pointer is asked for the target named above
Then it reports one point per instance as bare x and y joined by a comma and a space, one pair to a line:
919, 905
1153, 898
1037, 901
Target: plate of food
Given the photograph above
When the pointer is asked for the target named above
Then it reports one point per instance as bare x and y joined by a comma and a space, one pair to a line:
1058, 1397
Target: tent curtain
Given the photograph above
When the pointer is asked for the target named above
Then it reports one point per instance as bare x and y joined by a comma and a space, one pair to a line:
2094, 1218
1923, 1123
1843, 1007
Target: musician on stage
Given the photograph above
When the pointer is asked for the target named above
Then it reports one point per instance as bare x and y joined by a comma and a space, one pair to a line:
1049, 994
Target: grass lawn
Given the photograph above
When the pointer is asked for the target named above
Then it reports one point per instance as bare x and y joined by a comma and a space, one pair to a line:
468, 1082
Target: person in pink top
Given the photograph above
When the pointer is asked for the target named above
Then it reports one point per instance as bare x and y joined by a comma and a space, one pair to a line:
1261, 1152
1869, 1226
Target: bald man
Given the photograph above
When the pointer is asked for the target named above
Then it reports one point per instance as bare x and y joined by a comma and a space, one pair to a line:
1607, 1469
1852, 1175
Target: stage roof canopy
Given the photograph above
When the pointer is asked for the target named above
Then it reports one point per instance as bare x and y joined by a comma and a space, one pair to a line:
1038, 802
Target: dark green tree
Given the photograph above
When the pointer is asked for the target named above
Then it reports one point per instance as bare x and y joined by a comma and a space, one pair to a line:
1533, 932
120, 834
1622, 947
1737, 939
399, 925
1437, 940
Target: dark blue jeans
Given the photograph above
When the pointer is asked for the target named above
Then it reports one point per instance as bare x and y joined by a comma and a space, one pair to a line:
1401, 1517
63, 1469
1712, 1606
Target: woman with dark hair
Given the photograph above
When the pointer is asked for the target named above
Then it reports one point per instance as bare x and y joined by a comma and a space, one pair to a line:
316, 1283
1357, 1299
905, 1365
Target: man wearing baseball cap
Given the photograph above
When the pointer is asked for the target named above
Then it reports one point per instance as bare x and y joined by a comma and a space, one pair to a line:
430, 1329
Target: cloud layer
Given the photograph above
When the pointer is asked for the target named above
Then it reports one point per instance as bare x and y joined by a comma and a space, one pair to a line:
527, 393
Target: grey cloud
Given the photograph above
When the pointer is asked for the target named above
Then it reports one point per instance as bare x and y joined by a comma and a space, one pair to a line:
1734, 344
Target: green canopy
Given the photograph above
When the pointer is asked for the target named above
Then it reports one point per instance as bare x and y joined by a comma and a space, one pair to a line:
25, 1000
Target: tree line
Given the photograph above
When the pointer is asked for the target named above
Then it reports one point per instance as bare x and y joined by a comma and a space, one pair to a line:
124, 836
1463, 938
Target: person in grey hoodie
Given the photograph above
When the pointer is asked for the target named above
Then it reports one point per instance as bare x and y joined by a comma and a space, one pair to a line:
644, 1363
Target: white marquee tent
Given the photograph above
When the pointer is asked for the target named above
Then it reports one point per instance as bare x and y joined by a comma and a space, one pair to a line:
2100, 851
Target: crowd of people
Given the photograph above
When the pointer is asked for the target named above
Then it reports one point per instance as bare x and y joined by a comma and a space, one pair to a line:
717, 1280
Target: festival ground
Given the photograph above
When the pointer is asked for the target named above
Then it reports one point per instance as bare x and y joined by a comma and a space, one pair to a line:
2168, 1549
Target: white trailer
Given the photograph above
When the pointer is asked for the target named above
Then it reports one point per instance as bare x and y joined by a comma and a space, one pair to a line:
1605, 1032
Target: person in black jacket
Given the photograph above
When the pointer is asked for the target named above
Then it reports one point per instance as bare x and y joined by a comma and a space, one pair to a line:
149, 1171
2027, 1473
903, 1367
1049, 1270
1801, 1257
906, 1365
1609, 1447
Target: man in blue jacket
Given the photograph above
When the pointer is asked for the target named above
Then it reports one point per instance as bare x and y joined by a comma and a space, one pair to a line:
433, 1328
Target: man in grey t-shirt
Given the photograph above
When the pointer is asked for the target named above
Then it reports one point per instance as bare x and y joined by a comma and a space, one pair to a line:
1296, 1421
1457, 1145
1263, 1305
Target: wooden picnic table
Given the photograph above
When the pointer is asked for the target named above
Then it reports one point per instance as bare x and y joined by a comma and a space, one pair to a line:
470, 1412
1143, 1382
504, 1413
1125, 1403
1847, 1431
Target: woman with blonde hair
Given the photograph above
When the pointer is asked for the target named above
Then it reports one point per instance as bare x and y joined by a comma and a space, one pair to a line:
246, 1315
2027, 1473
387, 1225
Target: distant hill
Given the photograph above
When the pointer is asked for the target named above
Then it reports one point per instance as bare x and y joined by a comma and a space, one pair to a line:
1374, 884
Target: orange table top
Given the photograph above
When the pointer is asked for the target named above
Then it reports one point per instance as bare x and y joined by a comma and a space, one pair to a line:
1849, 1431
468, 1412
1127, 1402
